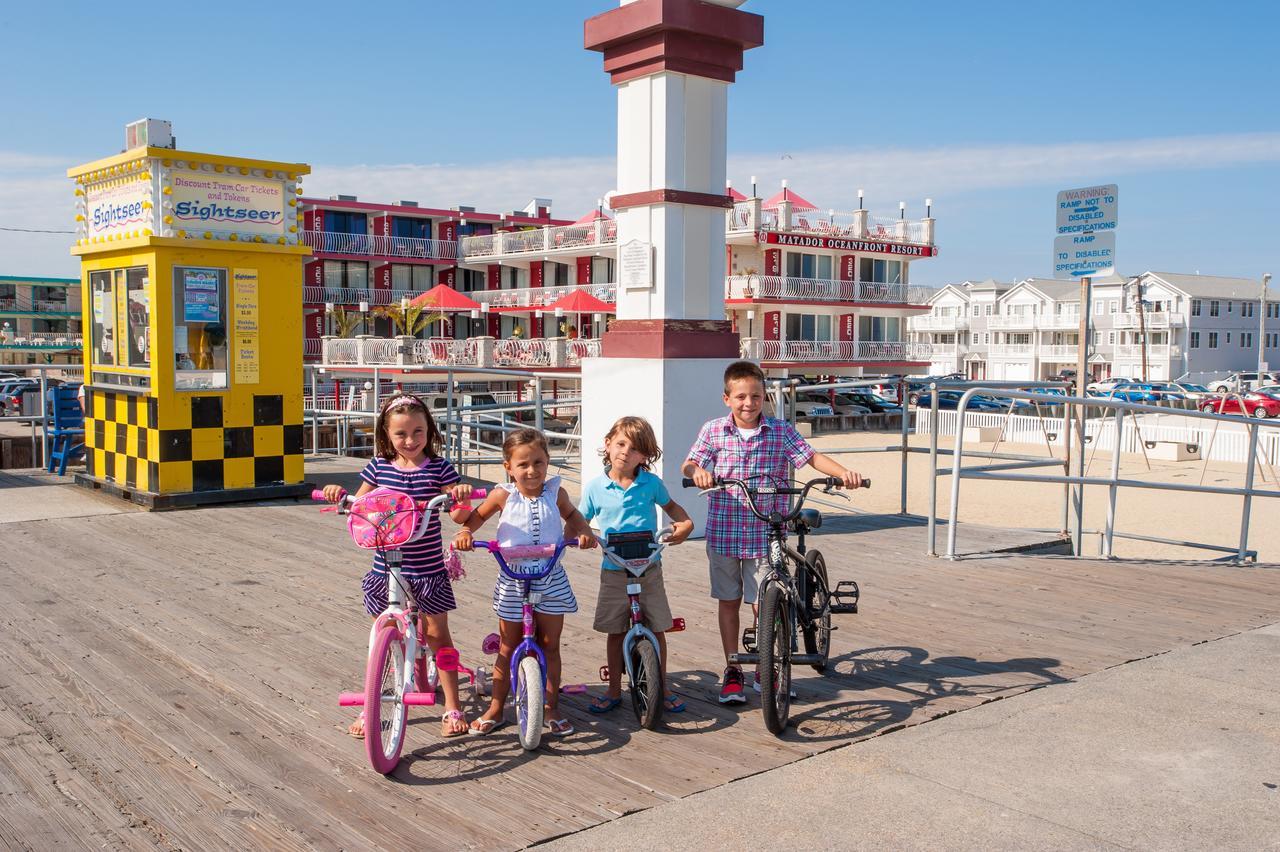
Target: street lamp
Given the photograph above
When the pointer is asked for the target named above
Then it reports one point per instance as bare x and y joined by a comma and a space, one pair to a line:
328, 316
364, 317
902, 209
751, 315
859, 199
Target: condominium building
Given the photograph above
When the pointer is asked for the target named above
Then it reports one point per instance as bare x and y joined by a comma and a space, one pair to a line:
1194, 325
39, 319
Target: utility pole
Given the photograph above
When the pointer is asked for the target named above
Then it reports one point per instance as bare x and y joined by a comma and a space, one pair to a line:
1262, 326
1142, 326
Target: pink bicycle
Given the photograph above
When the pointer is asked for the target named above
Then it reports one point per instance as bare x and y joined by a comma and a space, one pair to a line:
402, 672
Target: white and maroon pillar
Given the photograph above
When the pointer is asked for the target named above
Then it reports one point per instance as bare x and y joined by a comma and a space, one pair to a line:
663, 357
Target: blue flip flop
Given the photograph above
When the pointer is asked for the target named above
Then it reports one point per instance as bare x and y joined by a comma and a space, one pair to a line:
673, 704
609, 704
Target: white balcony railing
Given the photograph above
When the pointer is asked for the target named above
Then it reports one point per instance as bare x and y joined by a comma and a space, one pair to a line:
1154, 350
946, 350
312, 347
810, 351
445, 351
781, 288
517, 352
370, 245
602, 232
536, 298
41, 339
1014, 349
39, 306
937, 323
1152, 319
534, 353
576, 350
1013, 321
1068, 351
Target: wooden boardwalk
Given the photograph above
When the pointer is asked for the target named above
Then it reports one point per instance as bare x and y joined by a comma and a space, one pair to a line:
169, 680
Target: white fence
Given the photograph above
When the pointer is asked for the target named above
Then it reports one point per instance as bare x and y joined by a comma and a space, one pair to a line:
1230, 444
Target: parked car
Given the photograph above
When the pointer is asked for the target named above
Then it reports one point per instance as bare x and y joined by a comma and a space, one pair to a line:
949, 400
1269, 390
872, 401
11, 394
1243, 381
840, 403
1129, 392
1259, 405
805, 408
1193, 391
1063, 376
1109, 382
1168, 391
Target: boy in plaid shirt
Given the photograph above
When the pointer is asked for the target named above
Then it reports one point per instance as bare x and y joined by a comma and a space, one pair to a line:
745, 445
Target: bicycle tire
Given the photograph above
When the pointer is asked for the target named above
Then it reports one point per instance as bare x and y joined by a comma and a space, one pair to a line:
529, 696
774, 641
817, 635
384, 720
646, 684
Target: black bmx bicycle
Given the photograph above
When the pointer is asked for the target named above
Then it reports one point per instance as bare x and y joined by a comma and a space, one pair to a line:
796, 601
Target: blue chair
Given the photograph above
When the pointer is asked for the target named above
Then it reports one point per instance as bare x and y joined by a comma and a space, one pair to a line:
66, 434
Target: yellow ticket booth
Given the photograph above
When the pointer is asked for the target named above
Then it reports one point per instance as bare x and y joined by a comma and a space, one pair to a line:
192, 305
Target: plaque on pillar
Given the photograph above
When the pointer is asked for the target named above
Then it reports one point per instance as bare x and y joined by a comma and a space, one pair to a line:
635, 265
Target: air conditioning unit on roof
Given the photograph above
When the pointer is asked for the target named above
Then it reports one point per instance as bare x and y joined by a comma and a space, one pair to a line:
149, 132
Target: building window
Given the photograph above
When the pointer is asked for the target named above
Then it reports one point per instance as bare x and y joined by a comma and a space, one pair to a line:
410, 277
1098, 307
1246, 309
1213, 340
346, 274
1115, 306
1213, 307
1246, 340
811, 327
344, 222
977, 310
1111, 338
602, 270
406, 226
1195, 340
989, 309
1231, 306
878, 328
1195, 307
103, 321
800, 265
880, 271
1228, 337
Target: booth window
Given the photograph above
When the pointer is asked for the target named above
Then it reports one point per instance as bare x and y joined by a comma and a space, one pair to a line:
199, 328
102, 288
138, 305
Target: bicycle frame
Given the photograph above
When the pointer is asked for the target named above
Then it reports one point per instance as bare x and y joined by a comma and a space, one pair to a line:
636, 568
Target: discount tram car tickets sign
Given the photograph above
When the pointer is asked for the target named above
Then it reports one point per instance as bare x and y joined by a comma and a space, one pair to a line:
236, 203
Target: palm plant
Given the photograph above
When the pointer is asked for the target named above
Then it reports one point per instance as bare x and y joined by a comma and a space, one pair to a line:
409, 320
345, 322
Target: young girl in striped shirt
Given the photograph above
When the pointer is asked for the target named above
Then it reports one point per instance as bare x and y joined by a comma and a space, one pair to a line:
533, 508
407, 459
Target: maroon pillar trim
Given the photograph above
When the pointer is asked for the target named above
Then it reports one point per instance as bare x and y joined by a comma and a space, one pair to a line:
671, 196
684, 36
670, 339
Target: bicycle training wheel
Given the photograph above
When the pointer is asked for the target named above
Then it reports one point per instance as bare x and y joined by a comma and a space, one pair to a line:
773, 638
817, 635
384, 708
529, 696
646, 684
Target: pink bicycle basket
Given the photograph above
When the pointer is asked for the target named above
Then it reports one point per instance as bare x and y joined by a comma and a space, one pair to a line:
385, 518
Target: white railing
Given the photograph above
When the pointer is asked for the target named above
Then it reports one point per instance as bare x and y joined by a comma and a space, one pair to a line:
540, 297
343, 350
741, 218
1059, 350
41, 339
38, 306
1011, 349
379, 350
846, 225
1056, 321
1012, 321
1154, 350
947, 350
332, 242
440, 350
800, 351
517, 352
1152, 319
576, 350
933, 322
783, 288
603, 232
355, 295
312, 347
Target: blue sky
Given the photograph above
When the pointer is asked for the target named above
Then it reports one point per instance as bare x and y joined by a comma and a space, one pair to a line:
987, 108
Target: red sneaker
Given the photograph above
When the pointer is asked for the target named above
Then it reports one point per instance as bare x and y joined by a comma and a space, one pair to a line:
731, 690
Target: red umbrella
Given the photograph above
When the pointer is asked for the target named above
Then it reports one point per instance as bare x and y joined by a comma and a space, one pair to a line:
442, 297
593, 216
797, 203
734, 194
582, 302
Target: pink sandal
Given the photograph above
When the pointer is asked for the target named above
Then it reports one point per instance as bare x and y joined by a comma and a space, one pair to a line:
453, 716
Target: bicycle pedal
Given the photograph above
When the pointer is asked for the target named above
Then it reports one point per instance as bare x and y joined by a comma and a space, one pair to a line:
845, 597
749, 639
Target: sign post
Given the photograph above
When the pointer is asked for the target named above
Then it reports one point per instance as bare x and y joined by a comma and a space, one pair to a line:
1085, 245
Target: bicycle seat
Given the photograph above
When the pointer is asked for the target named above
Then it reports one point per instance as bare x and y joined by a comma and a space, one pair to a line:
810, 519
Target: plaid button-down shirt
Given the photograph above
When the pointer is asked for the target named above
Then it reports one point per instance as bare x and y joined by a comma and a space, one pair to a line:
731, 528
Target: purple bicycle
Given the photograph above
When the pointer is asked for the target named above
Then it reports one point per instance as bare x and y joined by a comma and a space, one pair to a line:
528, 662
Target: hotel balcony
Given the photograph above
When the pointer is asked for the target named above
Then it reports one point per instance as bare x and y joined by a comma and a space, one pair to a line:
1155, 351
1059, 352
40, 308
599, 236
556, 353
749, 217
41, 340
937, 323
817, 352
1027, 321
1011, 350
1065, 322
540, 298
389, 248
1152, 319
776, 288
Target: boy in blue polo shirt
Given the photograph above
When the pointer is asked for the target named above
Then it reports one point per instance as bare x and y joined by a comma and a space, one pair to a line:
626, 499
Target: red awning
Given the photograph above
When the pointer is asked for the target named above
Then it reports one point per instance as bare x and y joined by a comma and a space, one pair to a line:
593, 216
797, 203
444, 298
582, 302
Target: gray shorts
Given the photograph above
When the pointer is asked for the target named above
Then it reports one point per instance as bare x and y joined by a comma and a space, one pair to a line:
733, 578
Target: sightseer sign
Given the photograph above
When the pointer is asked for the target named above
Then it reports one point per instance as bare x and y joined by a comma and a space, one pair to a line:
245, 204
116, 207
846, 244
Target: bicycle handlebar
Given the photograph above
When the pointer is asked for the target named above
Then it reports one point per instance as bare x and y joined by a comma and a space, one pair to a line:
750, 493
345, 501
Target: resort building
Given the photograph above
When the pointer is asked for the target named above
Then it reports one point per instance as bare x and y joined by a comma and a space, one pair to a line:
1195, 325
39, 320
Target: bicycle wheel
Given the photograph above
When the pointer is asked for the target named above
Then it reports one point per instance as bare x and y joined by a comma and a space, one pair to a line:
817, 634
646, 684
529, 696
384, 708
773, 638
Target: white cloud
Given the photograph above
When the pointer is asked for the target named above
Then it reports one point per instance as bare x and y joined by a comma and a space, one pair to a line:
35, 193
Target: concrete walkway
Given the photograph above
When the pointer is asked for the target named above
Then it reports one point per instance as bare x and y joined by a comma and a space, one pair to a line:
1177, 751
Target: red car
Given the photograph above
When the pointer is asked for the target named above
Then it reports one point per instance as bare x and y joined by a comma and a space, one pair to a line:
1256, 404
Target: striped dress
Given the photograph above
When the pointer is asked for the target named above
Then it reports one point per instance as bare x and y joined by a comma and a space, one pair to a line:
422, 561
527, 520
